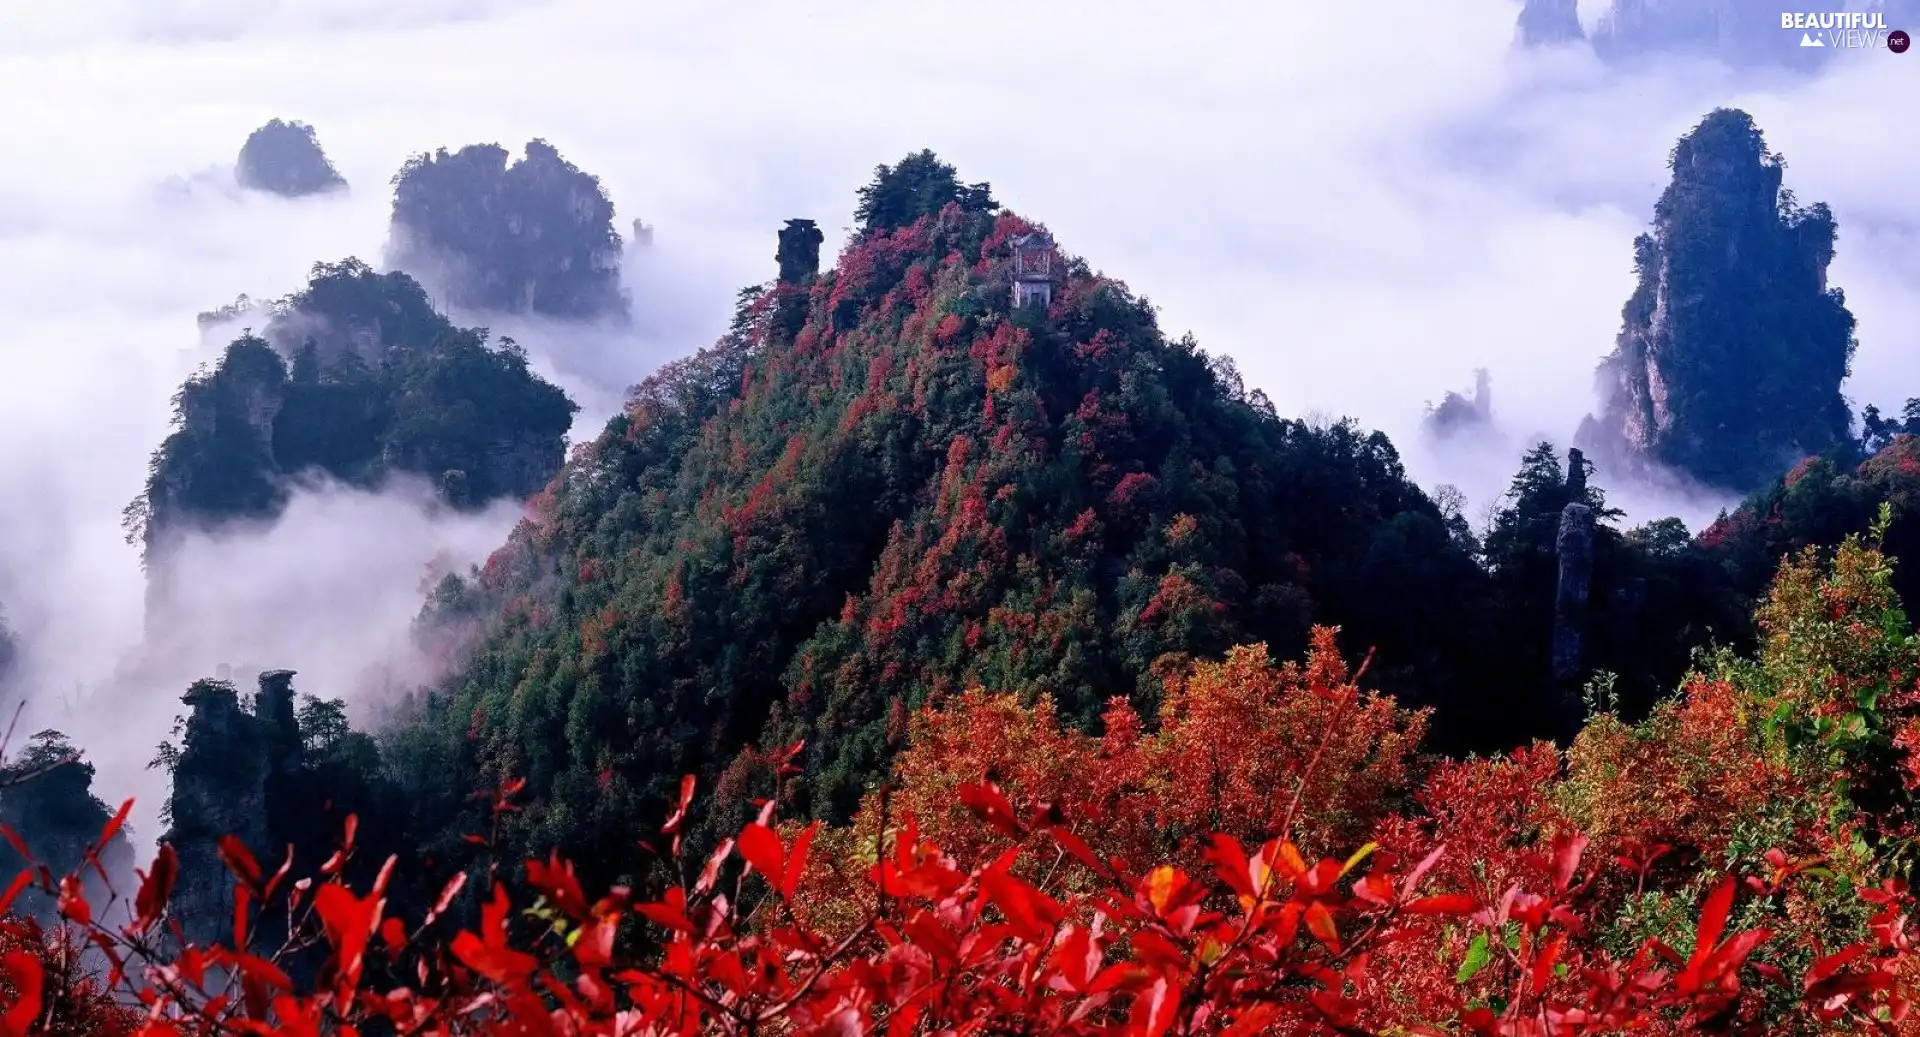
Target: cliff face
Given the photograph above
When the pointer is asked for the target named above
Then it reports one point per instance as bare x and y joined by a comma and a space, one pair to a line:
535, 236
219, 788
1732, 347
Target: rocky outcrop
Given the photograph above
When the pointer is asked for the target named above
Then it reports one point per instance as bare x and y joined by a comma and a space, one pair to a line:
219, 788
1573, 551
799, 252
285, 158
532, 237
1732, 347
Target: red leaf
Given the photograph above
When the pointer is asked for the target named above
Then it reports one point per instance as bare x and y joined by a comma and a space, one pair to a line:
1542, 972
1566, 860
555, 880
19, 883
1419, 871
1443, 904
711, 873
349, 922
73, 901
1154, 1008
797, 859
760, 847
112, 827
1341, 1011
19, 845
156, 888
1833, 963
1713, 921
679, 818
1032, 914
239, 860
985, 799
447, 893
23, 973
242, 901
499, 963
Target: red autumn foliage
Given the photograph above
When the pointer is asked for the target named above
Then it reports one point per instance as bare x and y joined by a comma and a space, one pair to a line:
1272, 856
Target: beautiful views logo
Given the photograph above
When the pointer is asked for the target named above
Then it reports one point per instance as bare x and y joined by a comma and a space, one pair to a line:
1849, 29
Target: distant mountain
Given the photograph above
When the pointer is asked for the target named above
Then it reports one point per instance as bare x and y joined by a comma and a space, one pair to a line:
356, 377
532, 237
1733, 346
285, 158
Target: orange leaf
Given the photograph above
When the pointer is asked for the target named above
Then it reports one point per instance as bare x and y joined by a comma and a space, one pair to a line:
1162, 886
1320, 924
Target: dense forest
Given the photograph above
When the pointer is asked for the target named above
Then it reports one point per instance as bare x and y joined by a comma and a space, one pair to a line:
1015, 662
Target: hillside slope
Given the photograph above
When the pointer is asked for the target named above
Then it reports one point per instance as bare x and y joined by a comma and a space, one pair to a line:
884, 485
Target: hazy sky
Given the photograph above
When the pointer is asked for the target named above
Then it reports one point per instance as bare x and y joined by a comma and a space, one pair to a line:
1359, 203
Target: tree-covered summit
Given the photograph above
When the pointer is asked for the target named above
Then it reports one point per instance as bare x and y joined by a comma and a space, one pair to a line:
357, 378
1733, 346
812, 528
285, 158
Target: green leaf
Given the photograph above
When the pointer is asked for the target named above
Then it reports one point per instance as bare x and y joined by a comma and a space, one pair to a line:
1477, 957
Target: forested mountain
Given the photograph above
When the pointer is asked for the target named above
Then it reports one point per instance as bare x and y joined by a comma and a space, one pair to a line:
284, 158
1733, 346
535, 236
356, 378
886, 485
